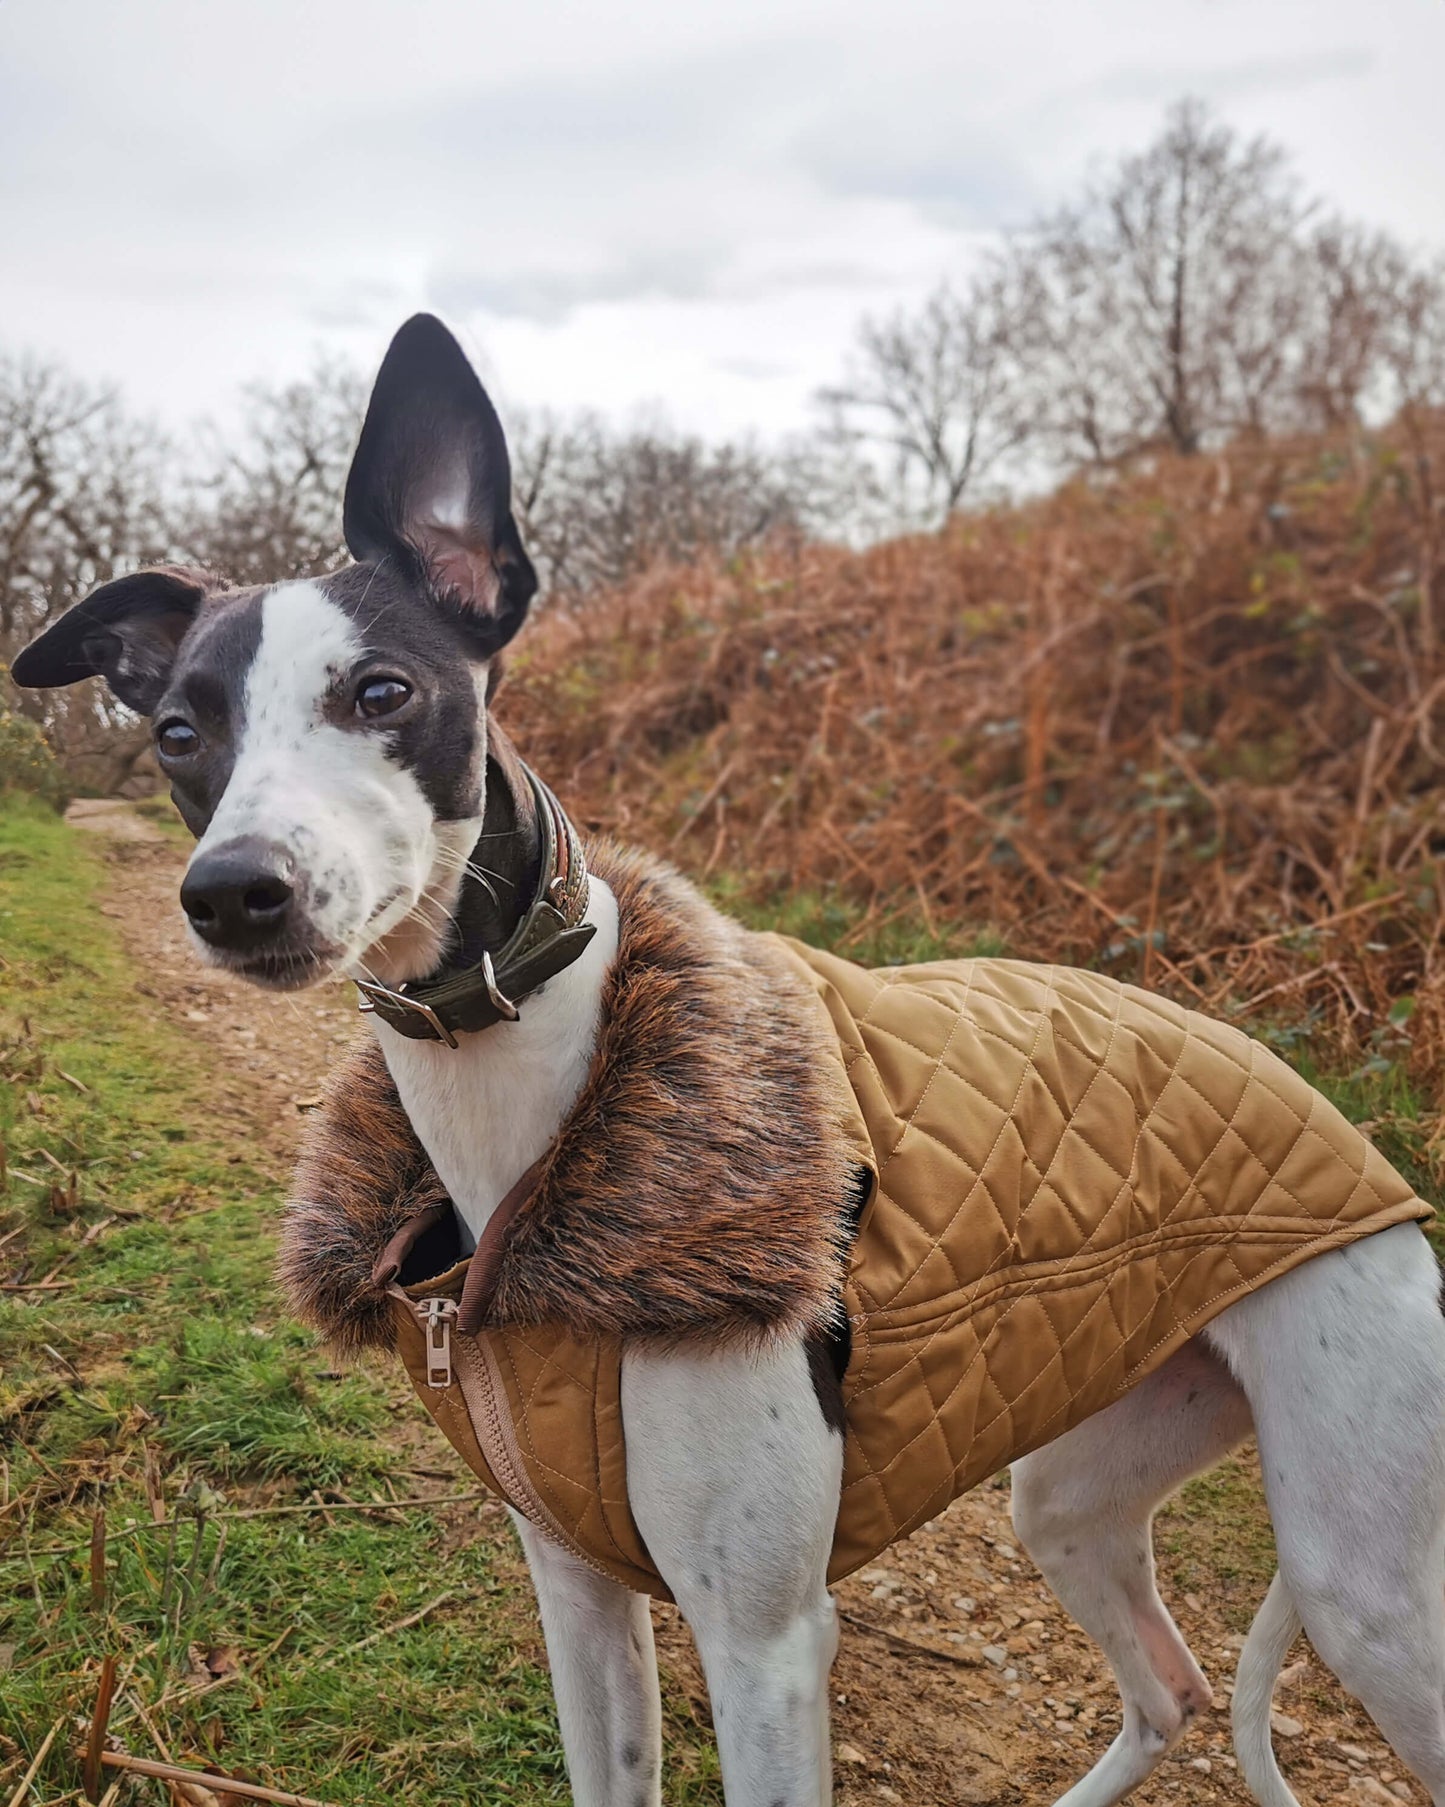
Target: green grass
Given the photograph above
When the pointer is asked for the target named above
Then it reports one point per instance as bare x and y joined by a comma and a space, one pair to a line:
1214, 1538
832, 920
187, 1366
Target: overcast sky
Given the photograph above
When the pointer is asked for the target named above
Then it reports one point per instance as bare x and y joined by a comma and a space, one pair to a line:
635, 206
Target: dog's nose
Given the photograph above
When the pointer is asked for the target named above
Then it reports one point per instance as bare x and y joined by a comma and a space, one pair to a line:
239, 895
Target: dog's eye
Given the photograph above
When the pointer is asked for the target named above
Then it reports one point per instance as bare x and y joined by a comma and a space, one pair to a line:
176, 739
381, 696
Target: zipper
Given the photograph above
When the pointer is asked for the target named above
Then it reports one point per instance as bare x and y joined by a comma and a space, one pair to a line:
437, 1317
483, 1392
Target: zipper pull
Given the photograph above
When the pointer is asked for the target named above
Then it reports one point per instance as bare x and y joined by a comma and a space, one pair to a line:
436, 1318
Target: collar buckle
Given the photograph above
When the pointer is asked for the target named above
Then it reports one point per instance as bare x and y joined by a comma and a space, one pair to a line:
551, 934
373, 994
501, 1003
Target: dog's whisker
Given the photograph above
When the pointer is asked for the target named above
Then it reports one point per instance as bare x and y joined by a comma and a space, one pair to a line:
467, 869
376, 572
458, 862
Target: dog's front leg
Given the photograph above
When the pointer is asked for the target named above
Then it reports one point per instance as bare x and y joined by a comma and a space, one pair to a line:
734, 1477
604, 1676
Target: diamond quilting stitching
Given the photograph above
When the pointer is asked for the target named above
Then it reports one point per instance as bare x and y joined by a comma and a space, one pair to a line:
1304, 1126
977, 1184
1114, 1025
1175, 1180
953, 1075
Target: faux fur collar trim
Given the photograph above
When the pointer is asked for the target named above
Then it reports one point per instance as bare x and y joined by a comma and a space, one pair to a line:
700, 1186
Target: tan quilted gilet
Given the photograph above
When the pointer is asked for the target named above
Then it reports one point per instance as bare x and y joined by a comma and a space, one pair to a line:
1073, 1176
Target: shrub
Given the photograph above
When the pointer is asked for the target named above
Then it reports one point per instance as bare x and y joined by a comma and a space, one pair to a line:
1183, 723
27, 763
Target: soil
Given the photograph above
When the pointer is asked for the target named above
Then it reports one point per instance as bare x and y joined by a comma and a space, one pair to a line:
959, 1679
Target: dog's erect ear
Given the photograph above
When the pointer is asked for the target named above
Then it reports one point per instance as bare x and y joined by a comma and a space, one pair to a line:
126, 632
431, 483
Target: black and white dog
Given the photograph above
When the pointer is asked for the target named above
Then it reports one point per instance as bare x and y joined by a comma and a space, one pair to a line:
326, 741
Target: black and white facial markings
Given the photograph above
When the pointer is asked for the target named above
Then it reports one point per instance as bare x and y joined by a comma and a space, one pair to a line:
341, 723
325, 740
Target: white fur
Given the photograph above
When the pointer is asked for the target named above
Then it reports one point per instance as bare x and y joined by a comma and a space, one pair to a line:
604, 1676
1340, 1368
484, 1111
357, 824
734, 1479
1343, 1362
733, 1475
1083, 1507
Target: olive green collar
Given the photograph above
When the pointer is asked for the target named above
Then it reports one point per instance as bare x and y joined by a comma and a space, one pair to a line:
550, 936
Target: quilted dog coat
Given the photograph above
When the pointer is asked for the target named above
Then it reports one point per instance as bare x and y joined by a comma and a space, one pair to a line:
1068, 1177
1074, 1176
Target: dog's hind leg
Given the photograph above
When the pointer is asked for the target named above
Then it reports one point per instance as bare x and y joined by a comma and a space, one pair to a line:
604, 1677
1344, 1364
734, 1473
1083, 1507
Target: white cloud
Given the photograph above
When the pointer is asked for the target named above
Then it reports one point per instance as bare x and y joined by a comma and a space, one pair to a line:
621, 205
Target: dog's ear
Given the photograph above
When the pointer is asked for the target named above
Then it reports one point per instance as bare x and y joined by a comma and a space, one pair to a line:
126, 632
431, 483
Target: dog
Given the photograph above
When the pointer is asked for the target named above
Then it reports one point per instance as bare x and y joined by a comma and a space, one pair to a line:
326, 742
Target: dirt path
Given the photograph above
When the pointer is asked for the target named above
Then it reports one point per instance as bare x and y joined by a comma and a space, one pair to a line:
959, 1680
270, 1053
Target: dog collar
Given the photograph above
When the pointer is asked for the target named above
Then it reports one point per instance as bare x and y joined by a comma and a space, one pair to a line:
550, 936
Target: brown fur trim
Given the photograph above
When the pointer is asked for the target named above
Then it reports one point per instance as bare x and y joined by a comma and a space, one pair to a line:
698, 1187
360, 1175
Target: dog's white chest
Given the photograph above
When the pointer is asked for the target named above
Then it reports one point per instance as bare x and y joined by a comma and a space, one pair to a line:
484, 1111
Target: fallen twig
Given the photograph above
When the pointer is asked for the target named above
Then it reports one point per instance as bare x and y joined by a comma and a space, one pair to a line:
99, 1720
64, 1363
904, 1643
386, 1631
205, 1778
23, 1786
193, 1792
442, 1499
97, 1561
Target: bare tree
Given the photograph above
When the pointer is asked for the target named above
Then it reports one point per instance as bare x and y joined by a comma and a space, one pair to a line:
1351, 282
937, 393
597, 506
272, 506
1165, 308
1414, 358
1412, 337
83, 496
